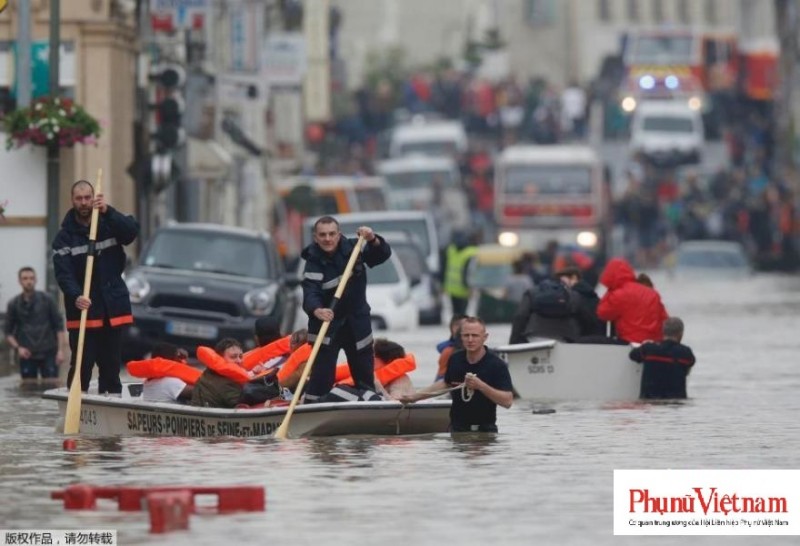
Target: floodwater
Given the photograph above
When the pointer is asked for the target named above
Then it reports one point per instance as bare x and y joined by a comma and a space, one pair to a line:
545, 479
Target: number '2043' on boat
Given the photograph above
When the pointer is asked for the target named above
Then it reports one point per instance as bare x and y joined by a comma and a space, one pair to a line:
550, 370
130, 415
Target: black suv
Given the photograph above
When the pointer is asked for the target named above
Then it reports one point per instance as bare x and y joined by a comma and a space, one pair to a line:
197, 283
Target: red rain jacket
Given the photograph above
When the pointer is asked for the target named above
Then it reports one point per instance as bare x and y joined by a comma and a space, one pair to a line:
635, 309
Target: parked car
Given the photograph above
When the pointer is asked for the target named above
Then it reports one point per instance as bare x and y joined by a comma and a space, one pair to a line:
667, 132
425, 286
197, 283
712, 259
388, 293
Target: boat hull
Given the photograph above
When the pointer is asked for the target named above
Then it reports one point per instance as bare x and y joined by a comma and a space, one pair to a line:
104, 415
548, 370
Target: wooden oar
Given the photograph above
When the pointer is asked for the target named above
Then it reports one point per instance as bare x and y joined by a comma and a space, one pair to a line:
72, 415
283, 430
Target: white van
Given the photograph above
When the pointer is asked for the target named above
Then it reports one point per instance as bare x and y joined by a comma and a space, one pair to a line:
413, 184
433, 138
667, 132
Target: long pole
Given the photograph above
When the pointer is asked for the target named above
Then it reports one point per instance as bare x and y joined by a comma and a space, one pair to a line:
53, 217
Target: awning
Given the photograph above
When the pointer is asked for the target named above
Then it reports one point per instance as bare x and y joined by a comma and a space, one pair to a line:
207, 159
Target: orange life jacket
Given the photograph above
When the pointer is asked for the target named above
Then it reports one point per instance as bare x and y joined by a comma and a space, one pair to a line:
254, 357
158, 367
386, 374
296, 359
215, 362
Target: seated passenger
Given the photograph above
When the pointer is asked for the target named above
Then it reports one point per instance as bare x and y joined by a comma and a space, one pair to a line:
635, 309
666, 364
549, 310
220, 385
392, 365
290, 371
167, 377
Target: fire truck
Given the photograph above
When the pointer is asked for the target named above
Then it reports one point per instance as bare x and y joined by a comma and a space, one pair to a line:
695, 65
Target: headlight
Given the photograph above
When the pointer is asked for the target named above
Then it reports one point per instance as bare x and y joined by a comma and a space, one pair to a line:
629, 104
508, 239
138, 288
695, 103
261, 301
587, 239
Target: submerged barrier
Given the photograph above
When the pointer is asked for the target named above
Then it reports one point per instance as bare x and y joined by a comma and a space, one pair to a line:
169, 507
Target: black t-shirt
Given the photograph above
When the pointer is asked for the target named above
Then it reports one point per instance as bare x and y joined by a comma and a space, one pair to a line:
479, 410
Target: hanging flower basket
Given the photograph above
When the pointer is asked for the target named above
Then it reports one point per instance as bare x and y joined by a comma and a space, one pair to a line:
50, 120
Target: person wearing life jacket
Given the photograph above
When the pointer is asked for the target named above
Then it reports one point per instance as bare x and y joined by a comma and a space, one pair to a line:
220, 385
167, 377
299, 351
392, 366
456, 262
666, 365
635, 309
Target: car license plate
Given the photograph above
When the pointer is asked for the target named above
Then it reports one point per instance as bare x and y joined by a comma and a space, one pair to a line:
190, 329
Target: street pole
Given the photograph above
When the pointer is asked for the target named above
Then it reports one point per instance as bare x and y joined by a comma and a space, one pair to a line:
24, 54
52, 148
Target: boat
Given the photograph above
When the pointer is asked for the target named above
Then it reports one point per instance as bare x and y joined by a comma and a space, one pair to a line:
549, 370
130, 415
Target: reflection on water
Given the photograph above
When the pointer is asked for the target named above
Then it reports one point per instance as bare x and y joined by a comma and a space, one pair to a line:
546, 478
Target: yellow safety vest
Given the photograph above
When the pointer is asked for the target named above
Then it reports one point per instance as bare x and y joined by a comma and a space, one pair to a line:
454, 282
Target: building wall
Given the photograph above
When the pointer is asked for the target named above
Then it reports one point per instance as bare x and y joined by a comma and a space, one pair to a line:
106, 47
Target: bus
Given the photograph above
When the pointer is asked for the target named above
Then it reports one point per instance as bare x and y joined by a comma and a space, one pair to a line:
552, 192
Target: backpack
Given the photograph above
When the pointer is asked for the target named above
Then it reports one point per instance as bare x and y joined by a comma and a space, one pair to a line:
551, 299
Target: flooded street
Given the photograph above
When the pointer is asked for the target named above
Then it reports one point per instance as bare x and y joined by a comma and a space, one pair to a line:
544, 479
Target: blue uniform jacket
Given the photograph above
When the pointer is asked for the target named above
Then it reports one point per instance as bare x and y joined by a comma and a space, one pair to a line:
109, 293
321, 278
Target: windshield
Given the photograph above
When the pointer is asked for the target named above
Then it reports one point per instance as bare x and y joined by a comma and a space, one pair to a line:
384, 273
413, 262
660, 50
548, 180
488, 275
414, 180
370, 199
668, 124
437, 148
416, 229
209, 251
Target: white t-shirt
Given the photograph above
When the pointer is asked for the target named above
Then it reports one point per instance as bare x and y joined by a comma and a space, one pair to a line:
164, 389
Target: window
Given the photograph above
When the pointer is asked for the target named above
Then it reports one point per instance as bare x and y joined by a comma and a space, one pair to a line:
604, 10
711, 11
633, 10
683, 12
658, 11
540, 12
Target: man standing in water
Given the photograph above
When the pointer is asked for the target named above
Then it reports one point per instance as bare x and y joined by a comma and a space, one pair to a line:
108, 304
351, 326
483, 374
35, 330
